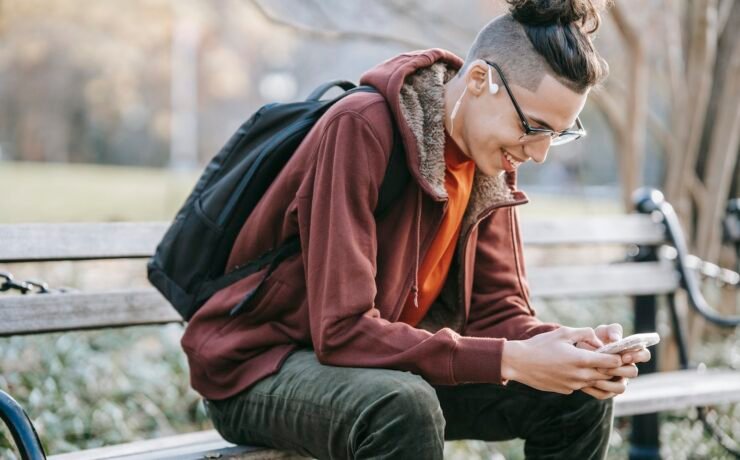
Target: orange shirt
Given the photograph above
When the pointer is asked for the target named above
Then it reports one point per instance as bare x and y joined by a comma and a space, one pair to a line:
433, 270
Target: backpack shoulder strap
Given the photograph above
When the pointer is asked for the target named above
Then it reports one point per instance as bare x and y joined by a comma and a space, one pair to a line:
396, 176
397, 172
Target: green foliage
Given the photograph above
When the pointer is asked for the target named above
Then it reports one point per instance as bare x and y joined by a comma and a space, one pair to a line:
90, 389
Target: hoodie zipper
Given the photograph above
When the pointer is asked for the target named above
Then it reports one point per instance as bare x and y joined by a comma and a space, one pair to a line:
461, 275
415, 269
464, 249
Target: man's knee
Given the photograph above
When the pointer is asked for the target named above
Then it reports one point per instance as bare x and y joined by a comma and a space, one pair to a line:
587, 419
407, 401
399, 418
590, 407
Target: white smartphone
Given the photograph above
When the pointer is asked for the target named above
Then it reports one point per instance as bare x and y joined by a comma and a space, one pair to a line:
632, 342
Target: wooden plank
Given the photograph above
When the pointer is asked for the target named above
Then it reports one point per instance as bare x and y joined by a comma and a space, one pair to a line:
79, 241
36, 313
678, 390
634, 278
189, 446
620, 229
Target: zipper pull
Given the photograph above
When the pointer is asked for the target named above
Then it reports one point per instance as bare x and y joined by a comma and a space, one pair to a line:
240, 306
248, 296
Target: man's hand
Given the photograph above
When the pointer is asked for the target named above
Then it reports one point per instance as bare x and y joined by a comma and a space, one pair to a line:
617, 384
551, 362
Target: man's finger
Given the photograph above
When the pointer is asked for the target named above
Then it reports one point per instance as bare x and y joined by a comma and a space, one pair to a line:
617, 387
601, 360
628, 370
585, 346
640, 356
596, 393
615, 332
594, 374
608, 333
583, 334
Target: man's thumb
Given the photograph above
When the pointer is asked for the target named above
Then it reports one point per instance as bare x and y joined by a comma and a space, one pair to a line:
584, 334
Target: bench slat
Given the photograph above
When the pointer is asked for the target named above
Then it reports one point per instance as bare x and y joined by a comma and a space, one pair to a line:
678, 390
37, 313
41, 242
189, 446
82, 241
580, 231
632, 278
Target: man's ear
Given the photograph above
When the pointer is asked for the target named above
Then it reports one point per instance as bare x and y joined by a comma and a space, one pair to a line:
477, 77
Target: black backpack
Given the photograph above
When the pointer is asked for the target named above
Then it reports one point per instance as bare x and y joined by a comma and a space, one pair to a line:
189, 264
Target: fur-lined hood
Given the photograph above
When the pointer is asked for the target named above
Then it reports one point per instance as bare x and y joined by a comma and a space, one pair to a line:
413, 84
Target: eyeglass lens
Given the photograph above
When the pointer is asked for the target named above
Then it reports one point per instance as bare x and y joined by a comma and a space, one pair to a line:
558, 140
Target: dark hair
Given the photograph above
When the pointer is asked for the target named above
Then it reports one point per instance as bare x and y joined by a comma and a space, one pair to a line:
560, 31
539, 37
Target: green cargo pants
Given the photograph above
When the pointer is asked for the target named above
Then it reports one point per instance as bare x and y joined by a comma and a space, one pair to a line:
331, 412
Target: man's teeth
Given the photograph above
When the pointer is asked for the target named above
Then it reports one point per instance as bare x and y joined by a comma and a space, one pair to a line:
512, 160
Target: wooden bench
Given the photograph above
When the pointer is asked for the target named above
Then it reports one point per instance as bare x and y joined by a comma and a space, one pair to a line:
643, 278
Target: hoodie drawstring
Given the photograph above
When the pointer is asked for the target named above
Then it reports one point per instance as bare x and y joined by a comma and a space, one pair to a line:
415, 288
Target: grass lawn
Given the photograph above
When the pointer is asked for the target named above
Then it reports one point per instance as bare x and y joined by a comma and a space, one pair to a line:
49, 192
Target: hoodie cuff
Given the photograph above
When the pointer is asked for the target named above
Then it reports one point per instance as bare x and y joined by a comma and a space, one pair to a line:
477, 360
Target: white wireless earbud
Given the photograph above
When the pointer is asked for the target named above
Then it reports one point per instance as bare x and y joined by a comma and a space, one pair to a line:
492, 87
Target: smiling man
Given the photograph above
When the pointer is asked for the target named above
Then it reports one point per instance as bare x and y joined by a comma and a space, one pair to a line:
388, 335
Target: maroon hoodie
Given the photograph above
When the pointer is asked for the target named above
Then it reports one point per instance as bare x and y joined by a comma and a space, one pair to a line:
342, 295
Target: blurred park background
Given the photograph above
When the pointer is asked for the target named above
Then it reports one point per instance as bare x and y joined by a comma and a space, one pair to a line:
110, 109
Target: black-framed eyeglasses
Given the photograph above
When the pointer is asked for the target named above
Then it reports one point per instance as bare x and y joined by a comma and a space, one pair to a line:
534, 134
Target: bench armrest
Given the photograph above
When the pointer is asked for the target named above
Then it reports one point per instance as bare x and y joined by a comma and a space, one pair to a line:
20, 426
649, 201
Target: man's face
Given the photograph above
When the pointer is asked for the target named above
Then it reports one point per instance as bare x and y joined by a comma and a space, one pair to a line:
492, 129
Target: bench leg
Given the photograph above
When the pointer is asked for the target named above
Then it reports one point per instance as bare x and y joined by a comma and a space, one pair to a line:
644, 438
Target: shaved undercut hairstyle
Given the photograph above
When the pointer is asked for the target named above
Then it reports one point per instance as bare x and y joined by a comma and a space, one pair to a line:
539, 37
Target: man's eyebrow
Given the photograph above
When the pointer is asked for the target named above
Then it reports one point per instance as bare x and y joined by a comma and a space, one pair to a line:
540, 122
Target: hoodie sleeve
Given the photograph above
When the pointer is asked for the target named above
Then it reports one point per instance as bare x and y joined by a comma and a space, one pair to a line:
500, 305
338, 237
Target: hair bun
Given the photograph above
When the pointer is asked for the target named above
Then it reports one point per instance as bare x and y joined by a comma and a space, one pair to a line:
552, 12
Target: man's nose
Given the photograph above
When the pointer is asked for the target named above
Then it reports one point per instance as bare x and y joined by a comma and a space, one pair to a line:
537, 151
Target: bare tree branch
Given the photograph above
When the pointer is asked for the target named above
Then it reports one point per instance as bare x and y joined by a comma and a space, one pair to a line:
336, 34
696, 188
416, 13
607, 102
675, 54
631, 156
700, 63
725, 7
608, 106
721, 160
666, 138
321, 7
